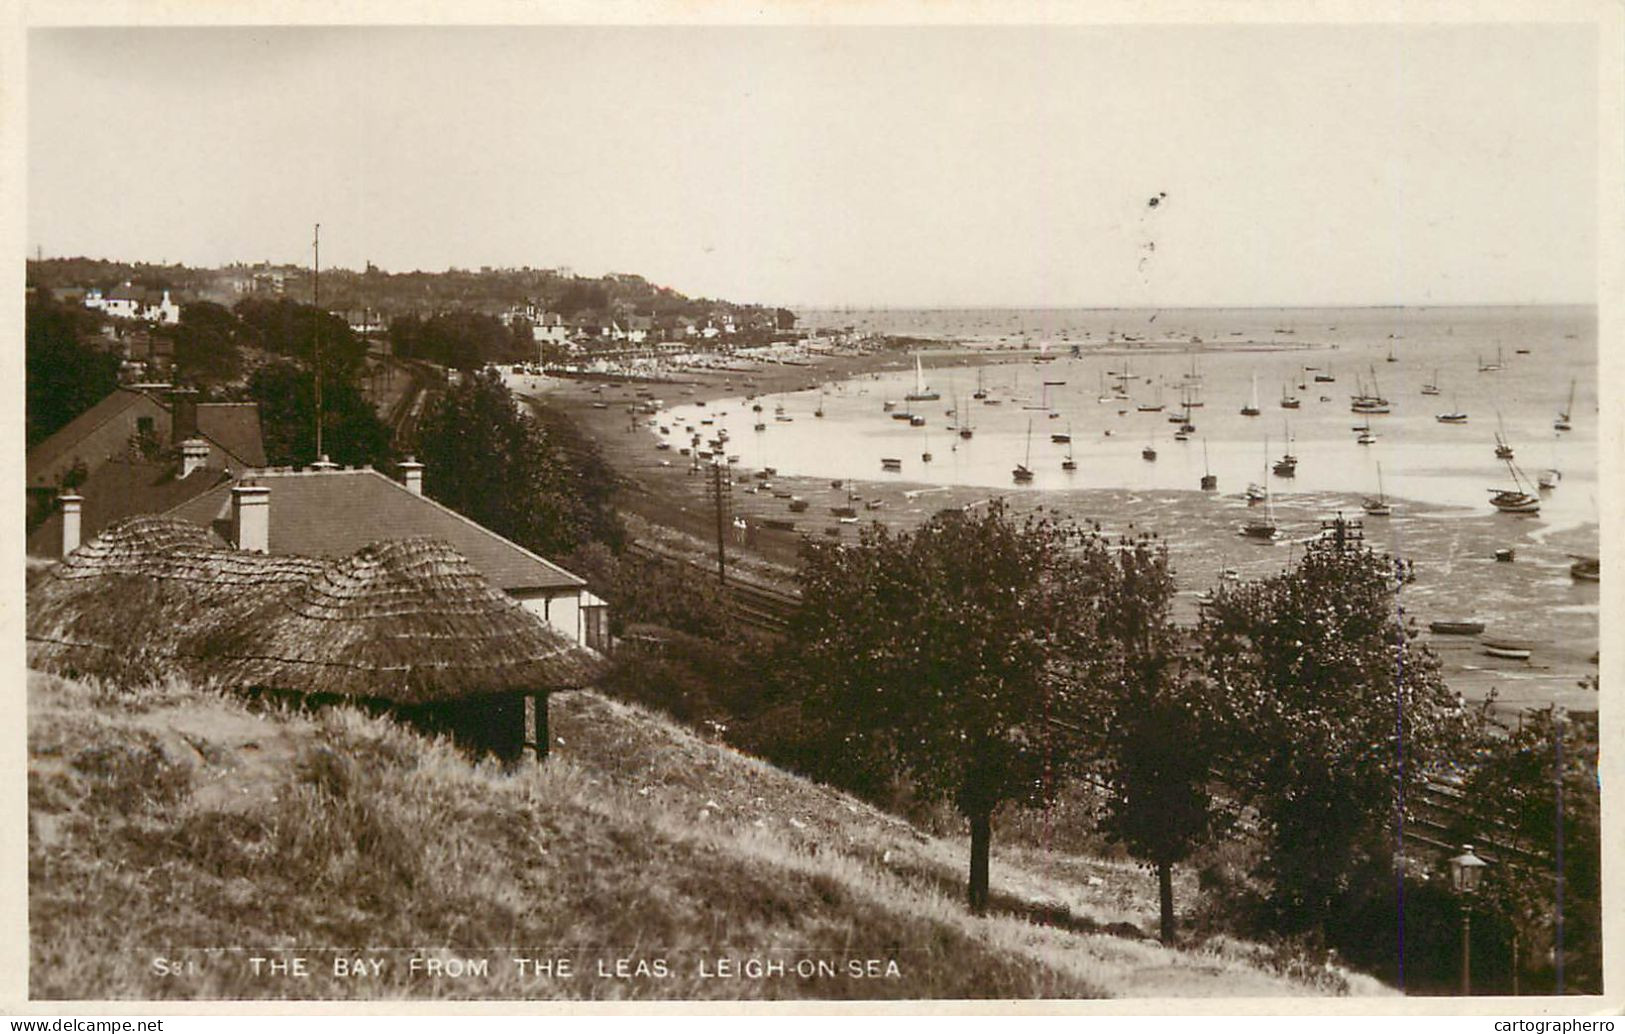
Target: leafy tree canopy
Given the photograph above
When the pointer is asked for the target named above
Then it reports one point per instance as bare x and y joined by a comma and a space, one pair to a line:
1336, 711
64, 375
352, 433
488, 461
946, 652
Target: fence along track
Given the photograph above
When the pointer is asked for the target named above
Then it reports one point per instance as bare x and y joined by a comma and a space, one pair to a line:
756, 606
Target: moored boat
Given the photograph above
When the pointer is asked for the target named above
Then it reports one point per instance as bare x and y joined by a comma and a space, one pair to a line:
1508, 649
1456, 627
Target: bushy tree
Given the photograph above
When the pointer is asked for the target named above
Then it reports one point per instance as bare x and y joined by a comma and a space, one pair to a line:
1338, 713
493, 463
206, 344
352, 433
300, 332
1533, 800
950, 654
64, 376
1157, 725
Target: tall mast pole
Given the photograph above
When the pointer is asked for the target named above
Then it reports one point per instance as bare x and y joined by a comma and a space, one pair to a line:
317, 340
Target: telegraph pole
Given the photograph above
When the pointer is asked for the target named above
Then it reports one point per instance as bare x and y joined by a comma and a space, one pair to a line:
719, 497
316, 342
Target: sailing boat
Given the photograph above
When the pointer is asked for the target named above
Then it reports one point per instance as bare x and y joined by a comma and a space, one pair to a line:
1455, 416
981, 390
1264, 530
1146, 407
1251, 408
1432, 387
1023, 472
819, 412
1503, 449
1288, 401
1562, 423
1378, 507
1103, 397
1287, 465
1516, 499
1551, 475
925, 457
1150, 451
1326, 377
1210, 480
1484, 367
1069, 463
920, 393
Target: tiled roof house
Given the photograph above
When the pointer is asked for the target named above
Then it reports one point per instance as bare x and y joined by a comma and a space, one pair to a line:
330, 512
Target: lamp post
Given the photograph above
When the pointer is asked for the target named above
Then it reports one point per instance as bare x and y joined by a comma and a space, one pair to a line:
1465, 872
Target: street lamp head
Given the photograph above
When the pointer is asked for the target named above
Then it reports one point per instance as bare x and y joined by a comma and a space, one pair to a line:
1466, 869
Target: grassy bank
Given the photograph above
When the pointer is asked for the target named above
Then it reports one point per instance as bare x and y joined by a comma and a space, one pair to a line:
175, 835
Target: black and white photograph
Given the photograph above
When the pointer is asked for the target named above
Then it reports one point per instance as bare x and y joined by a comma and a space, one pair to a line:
875, 505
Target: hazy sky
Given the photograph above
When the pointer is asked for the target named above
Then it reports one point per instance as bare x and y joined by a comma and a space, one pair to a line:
894, 166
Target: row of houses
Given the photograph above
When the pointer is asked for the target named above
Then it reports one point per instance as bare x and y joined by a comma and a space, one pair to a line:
552, 328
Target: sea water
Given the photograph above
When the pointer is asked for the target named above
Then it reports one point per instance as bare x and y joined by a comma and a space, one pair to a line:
1215, 356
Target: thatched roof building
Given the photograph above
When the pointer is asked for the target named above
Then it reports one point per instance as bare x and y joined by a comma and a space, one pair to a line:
409, 623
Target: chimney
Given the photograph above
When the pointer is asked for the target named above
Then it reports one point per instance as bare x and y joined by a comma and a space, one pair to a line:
324, 464
251, 518
412, 475
72, 513
183, 414
194, 456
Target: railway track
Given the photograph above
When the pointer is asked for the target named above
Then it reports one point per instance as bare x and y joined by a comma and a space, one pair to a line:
757, 606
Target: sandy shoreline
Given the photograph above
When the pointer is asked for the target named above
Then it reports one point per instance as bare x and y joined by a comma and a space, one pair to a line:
1453, 551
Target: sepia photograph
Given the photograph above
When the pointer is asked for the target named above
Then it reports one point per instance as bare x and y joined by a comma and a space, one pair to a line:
786, 508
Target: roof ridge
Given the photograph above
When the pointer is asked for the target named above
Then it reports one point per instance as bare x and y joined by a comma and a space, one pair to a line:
111, 414
276, 472
473, 524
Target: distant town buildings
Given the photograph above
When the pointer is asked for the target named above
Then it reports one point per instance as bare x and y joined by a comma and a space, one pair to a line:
135, 303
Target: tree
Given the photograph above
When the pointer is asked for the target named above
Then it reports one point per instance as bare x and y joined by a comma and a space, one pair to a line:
495, 465
1157, 724
64, 377
352, 433
1533, 799
947, 653
299, 331
206, 344
1337, 713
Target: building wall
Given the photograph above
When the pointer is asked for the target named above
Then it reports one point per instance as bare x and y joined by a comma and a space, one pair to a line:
561, 610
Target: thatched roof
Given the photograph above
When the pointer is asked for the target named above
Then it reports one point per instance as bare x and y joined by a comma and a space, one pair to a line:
409, 621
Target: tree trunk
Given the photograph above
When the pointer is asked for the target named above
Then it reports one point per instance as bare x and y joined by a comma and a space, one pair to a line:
1165, 888
981, 837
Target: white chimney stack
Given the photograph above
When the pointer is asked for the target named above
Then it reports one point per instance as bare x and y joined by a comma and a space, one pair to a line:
412, 475
72, 513
194, 456
251, 518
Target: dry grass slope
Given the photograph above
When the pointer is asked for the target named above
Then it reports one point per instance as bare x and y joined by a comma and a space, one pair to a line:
174, 818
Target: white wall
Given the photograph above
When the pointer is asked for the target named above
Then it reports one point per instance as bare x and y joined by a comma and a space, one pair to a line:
562, 612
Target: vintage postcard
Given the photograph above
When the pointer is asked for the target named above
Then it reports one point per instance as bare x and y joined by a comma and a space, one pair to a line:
797, 505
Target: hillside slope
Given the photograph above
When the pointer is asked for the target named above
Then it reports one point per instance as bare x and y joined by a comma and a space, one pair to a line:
175, 836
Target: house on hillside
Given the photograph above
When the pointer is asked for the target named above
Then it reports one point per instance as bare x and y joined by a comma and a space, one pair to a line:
325, 511
405, 627
136, 303
142, 427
